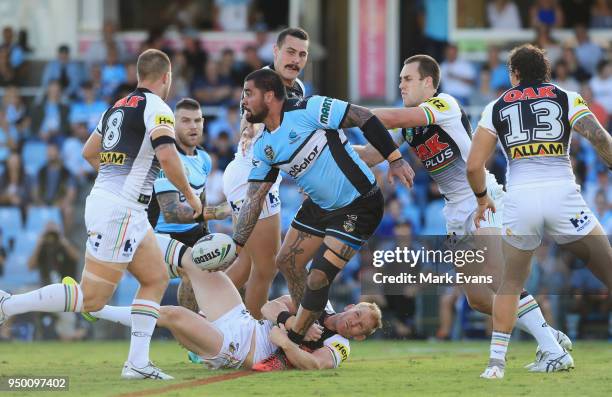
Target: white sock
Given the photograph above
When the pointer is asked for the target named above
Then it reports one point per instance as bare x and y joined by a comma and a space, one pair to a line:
531, 320
499, 345
53, 298
144, 315
116, 314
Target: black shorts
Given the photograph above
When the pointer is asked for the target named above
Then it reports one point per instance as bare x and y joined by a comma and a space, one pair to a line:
354, 224
190, 237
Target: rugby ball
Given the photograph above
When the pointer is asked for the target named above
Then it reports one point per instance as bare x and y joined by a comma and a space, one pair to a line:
213, 252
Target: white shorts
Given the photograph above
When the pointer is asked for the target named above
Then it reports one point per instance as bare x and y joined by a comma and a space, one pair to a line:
460, 215
114, 230
235, 182
554, 208
237, 327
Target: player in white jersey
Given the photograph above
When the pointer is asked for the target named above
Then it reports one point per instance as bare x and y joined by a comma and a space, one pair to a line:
132, 140
533, 122
224, 335
258, 265
438, 130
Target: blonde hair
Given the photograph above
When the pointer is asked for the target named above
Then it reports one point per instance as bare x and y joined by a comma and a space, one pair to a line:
152, 65
373, 307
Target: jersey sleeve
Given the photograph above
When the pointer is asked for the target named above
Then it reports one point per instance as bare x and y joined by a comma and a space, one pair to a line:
98, 129
486, 120
207, 166
262, 171
441, 109
577, 108
323, 112
162, 184
339, 347
158, 114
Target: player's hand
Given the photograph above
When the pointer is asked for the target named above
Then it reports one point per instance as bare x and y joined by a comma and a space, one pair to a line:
278, 336
196, 204
484, 203
314, 333
401, 170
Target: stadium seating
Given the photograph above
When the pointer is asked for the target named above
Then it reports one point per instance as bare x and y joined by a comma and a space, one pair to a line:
16, 272
10, 225
435, 224
39, 217
36, 154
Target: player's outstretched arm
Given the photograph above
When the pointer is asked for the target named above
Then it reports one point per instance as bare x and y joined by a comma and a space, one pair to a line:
589, 127
483, 146
379, 138
171, 163
249, 212
401, 117
91, 150
368, 154
174, 211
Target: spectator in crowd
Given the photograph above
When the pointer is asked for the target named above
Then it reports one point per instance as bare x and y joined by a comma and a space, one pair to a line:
545, 41
114, 72
601, 14
12, 102
8, 138
575, 70
181, 76
250, 63
265, 44
12, 181
602, 185
601, 85
232, 15
485, 93
603, 208
195, 55
546, 13
596, 108
500, 80
55, 186
224, 149
15, 52
588, 53
576, 12
212, 89
214, 182
64, 70
71, 153
228, 121
89, 109
7, 72
54, 256
458, 76
434, 19
130, 83
562, 78
23, 42
503, 15
98, 50
2, 254
50, 118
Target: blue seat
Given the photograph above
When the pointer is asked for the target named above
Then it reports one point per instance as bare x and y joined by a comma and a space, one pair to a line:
16, 272
34, 154
10, 224
39, 217
413, 214
435, 224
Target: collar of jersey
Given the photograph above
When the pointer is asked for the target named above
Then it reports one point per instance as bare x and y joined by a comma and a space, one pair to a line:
145, 90
181, 151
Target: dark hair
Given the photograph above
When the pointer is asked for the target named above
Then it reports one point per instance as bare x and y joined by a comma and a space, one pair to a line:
298, 33
63, 48
530, 64
152, 65
268, 80
187, 103
428, 67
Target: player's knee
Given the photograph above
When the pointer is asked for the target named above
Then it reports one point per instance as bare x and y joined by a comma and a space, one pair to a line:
93, 303
479, 303
317, 279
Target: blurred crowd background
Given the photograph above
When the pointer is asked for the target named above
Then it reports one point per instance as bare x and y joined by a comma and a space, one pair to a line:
50, 105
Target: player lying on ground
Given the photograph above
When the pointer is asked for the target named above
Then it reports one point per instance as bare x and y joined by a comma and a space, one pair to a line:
438, 130
225, 335
533, 122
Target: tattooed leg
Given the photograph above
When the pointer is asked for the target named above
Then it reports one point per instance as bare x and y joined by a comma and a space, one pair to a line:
297, 250
186, 296
330, 260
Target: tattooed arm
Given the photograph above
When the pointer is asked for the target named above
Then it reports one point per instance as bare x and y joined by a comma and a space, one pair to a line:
220, 211
249, 212
174, 211
589, 127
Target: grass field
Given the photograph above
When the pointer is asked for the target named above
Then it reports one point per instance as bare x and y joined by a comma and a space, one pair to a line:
374, 369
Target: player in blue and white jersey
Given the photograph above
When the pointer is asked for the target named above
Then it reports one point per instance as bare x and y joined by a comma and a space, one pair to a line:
302, 138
